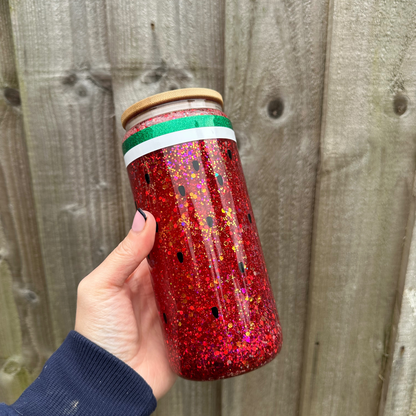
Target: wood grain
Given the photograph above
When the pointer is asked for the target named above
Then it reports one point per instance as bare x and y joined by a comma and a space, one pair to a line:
65, 84
399, 386
157, 46
275, 61
364, 197
25, 326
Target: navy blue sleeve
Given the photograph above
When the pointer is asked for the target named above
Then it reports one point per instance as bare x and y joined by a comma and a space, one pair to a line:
81, 378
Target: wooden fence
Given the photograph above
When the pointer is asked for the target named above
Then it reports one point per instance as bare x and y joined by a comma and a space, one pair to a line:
322, 95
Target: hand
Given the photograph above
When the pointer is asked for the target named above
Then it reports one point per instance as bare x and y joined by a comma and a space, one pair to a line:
116, 308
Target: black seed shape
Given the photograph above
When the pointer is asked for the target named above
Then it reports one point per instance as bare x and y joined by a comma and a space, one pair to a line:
210, 222
230, 155
215, 312
180, 256
241, 266
165, 318
147, 177
195, 164
249, 218
181, 190
220, 180
157, 227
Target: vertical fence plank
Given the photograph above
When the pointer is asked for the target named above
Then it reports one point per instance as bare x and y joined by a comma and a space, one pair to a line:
364, 196
400, 378
25, 327
157, 46
62, 62
275, 60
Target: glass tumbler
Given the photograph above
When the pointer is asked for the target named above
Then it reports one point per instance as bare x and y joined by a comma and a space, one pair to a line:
213, 294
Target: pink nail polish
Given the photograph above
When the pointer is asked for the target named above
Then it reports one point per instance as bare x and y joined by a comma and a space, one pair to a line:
139, 221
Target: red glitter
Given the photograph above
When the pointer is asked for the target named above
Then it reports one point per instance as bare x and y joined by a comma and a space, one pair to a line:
207, 266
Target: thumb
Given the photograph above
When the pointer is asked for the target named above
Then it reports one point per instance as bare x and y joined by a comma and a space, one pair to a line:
127, 256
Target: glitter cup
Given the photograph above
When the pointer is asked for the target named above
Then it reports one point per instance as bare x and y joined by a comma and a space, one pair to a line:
213, 294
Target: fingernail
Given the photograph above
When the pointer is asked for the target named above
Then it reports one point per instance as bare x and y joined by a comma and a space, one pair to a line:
139, 220
142, 212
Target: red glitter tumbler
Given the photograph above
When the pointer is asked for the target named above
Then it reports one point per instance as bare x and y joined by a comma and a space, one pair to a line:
210, 280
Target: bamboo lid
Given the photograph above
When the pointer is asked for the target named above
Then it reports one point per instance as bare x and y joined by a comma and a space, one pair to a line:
165, 97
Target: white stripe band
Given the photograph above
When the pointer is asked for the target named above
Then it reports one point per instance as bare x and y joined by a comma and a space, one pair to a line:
178, 137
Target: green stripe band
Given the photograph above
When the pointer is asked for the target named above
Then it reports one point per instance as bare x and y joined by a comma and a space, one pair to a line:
171, 126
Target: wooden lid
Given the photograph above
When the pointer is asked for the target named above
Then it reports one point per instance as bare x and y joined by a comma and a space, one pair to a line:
165, 97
